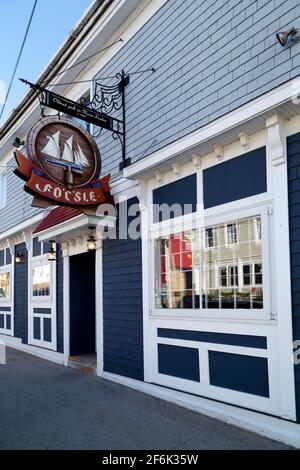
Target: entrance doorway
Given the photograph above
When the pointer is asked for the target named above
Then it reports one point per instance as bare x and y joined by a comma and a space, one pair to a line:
82, 305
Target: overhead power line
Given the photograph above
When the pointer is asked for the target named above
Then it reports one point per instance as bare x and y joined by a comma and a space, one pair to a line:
18, 58
97, 79
84, 60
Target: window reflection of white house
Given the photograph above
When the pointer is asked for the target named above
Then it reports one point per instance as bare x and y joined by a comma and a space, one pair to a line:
224, 270
41, 281
5, 284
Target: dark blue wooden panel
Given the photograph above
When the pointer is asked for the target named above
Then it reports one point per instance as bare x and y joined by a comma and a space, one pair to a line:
37, 328
218, 338
46, 247
47, 330
235, 179
36, 247
238, 372
1, 257
1, 320
293, 152
182, 192
82, 304
46, 311
21, 295
179, 362
123, 305
8, 256
5, 309
8, 322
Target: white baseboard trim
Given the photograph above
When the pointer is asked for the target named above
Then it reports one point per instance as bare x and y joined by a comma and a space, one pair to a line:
16, 343
267, 426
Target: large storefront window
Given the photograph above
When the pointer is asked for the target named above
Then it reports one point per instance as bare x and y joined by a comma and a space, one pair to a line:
41, 278
4, 285
219, 267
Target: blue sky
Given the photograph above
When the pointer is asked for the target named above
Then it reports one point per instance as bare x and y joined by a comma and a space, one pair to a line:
52, 23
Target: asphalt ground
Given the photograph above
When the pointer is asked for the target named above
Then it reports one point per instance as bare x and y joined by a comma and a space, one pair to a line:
48, 406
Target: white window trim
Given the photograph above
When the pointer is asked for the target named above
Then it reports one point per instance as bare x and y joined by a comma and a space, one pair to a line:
8, 301
251, 274
42, 261
227, 242
42, 302
7, 269
277, 327
214, 238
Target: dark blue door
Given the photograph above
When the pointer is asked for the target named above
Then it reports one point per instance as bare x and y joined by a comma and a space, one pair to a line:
82, 304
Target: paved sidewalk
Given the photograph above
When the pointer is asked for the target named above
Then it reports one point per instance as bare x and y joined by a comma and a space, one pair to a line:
47, 406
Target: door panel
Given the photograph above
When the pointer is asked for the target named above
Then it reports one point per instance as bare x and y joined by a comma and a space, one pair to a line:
82, 304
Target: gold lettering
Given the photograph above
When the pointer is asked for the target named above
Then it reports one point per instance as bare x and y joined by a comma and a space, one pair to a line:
77, 197
67, 195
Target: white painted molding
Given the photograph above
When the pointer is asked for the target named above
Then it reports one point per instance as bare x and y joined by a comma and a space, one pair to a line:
244, 140
176, 169
16, 343
27, 239
65, 248
4, 244
159, 177
218, 151
10, 246
196, 162
142, 193
276, 139
17, 238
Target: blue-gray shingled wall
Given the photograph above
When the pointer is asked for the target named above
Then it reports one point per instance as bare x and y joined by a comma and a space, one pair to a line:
60, 299
210, 58
18, 207
293, 150
21, 295
123, 306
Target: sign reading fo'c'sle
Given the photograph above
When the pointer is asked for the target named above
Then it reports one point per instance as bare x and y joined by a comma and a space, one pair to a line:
62, 166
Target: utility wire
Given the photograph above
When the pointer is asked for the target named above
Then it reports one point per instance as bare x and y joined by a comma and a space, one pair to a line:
19, 57
152, 69
84, 60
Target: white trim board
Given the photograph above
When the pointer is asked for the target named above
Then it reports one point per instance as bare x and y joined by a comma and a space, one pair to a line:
16, 343
264, 425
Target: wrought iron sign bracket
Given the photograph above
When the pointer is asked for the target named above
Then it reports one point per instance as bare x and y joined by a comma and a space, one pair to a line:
110, 100
106, 109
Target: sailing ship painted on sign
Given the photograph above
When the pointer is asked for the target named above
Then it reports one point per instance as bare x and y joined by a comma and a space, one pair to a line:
73, 161
52, 149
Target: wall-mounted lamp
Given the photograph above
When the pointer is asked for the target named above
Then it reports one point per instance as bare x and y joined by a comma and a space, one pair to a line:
52, 252
91, 241
18, 142
18, 258
289, 37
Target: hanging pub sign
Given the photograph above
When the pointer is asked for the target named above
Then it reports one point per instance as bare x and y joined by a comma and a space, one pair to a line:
62, 166
66, 106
